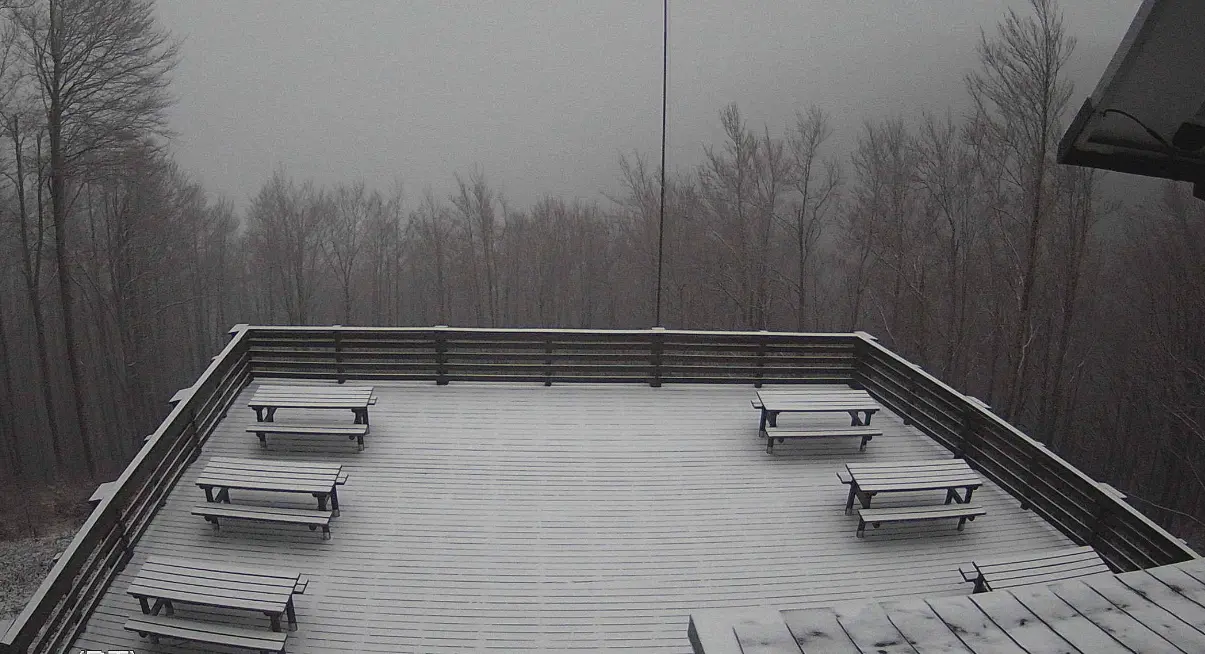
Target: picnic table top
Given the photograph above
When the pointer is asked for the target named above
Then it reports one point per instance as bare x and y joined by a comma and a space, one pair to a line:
1039, 567
312, 397
913, 475
281, 476
785, 400
214, 584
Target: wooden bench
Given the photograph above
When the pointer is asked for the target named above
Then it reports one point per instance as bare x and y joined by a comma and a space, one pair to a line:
1034, 568
312, 518
207, 632
877, 517
775, 433
354, 432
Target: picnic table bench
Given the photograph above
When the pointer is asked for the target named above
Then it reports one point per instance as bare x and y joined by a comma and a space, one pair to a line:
222, 474
858, 404
268, 398
866, 480
1034, 568
162, 582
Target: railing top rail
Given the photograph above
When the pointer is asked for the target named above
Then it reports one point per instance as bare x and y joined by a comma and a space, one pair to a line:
542, 331
24, 628
1066, 468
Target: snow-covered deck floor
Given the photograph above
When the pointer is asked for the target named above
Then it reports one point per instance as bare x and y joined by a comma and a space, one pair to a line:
516, 517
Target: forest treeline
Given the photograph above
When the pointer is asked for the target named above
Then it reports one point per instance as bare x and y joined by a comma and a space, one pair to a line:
956, 239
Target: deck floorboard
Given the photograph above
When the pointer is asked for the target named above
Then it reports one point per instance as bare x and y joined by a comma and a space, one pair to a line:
504, 516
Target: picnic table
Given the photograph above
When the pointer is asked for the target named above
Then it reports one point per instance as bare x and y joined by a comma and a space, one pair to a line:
225, 473
163, 581
869, 479
270, 397
858, 404
1034, 568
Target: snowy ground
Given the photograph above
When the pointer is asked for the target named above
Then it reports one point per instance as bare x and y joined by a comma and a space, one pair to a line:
25, 563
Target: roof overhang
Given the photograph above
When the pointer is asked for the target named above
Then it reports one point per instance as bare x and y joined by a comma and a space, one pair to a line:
1153, 90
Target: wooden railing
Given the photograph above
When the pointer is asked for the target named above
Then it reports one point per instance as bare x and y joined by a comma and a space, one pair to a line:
67, 596
444, 354
1079, 507
1088, 512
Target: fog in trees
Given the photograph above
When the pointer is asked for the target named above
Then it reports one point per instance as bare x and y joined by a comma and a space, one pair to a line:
950, 234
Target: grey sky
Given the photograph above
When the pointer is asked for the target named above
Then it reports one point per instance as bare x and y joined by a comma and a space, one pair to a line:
545, 95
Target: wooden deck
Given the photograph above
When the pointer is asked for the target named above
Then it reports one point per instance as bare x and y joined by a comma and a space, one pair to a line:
505, 516
1142, 612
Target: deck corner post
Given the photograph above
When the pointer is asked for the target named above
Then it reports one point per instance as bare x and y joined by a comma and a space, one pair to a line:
656, 348
441, 355
337, 335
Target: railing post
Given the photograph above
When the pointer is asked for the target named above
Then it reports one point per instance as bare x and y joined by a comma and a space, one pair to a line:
910, 400
190, 430
1028, 475
761, 359
970, 421
1099, 514
337, 332
862, 342
548, 361
656, 346
965, 433
441, 355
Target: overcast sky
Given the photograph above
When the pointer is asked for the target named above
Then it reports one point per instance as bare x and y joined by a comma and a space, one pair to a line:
546, 94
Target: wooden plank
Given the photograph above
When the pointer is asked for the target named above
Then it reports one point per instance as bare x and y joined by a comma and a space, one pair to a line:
1157, 618
973, 627
935, 512
102, 491
1101, 612
307, 428
870, 629
1028, 560
206, 568
1021, 625
223, 462
923, 628
710, 630
764, 636
1066, 621
1143, 583
1181, 582
208, 632
779, 432
1194, 568
817, 631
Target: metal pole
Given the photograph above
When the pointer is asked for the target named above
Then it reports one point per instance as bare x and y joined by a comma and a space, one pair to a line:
664, 95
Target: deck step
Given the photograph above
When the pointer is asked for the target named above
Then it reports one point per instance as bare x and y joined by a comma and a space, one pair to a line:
312, 518
208, 632
876, 517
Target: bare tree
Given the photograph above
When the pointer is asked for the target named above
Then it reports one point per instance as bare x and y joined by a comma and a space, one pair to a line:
474, 200
817, 193
101, 67
1021, 92
354, 210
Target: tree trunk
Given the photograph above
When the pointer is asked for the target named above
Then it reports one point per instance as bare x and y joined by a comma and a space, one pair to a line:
58, 212
32, 272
